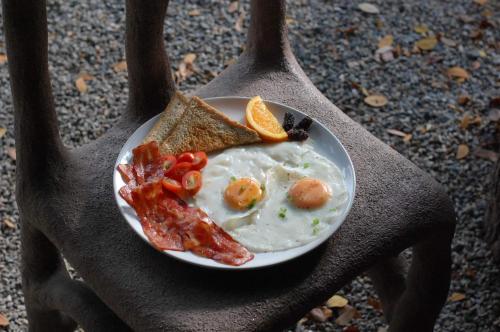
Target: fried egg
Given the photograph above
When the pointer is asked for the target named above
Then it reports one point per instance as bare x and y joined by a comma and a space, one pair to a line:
301, 194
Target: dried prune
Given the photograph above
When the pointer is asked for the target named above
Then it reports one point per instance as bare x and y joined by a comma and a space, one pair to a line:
288, 121
305, 123
297, 134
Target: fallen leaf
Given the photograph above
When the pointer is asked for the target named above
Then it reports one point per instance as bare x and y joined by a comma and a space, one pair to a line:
476, 35
487, 13
3, 321
386, 41
495, 102
448, 42
421, 29
233, 6
467, 120
2, 132
368, 8
120, 66
375, 303
485, 24
81, 85
11, 152
3, 58
376, 100
194, 12
352, 328
238, 26
290, 21
318, 315
336, 301
483, 54
348, 31
462, 152
189, 58
396, 132
455, 297
481, 2
346, 315
427, 44
9, 223
385, 54
486, 154
458, 73
463, 100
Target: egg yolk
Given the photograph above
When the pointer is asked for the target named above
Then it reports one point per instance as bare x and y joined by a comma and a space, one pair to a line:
242, 194
309, 193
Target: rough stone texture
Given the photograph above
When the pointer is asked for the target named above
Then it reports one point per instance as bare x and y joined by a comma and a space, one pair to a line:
73, 46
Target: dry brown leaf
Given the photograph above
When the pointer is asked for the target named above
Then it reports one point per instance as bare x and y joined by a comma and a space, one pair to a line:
376, 100
421, 29
2, 132
336, 301
238, 26
81, 85
3, 58
233, 6
194, 12
487, 13
189, 58
375, 303
318, 315
495, 102
290, 21
120, 66
11, 152
448, 42
481, 2
396, 132
462, 151
346, 315
368, 8
455, 297
486, 154
3, 321
9, 223
386, 41
427, 44
458, 73
463, 100
351, 328
476, 35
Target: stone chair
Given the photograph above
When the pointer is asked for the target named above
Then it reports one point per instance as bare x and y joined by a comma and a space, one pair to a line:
67, 207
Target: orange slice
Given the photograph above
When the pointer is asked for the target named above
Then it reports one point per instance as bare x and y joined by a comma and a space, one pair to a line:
260, 119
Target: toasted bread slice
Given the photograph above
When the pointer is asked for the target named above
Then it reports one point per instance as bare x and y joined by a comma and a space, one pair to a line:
168, 119
203, 128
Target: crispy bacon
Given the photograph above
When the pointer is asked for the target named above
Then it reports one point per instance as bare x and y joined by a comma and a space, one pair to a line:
168, 222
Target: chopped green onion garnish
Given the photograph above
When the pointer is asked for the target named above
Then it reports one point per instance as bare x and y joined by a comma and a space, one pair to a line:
233, 178
315, 230
282, 213
315, 222
263, 187
333, 210
306, 165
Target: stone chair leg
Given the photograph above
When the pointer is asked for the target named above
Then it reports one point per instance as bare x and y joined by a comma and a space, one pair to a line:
413, 304
55, 302
389, 281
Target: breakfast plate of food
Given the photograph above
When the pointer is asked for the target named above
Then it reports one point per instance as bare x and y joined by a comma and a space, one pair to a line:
233, 182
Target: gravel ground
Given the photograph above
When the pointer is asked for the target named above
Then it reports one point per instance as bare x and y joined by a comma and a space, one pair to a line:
335, 43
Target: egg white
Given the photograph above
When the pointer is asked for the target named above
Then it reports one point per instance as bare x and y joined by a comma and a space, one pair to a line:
278, 167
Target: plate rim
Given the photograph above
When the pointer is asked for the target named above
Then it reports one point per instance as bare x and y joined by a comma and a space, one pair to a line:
313, 244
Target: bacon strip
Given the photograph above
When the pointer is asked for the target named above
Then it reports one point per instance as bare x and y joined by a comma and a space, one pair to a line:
167, 221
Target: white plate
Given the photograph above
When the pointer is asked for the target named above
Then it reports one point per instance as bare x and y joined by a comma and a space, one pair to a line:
323, 141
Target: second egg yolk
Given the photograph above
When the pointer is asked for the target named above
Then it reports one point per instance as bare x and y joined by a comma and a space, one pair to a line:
242, 194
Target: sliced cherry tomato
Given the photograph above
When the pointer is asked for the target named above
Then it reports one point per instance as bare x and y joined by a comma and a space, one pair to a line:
179, 170
186, 156
191, 182
175, 187
200, 160
168, 163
